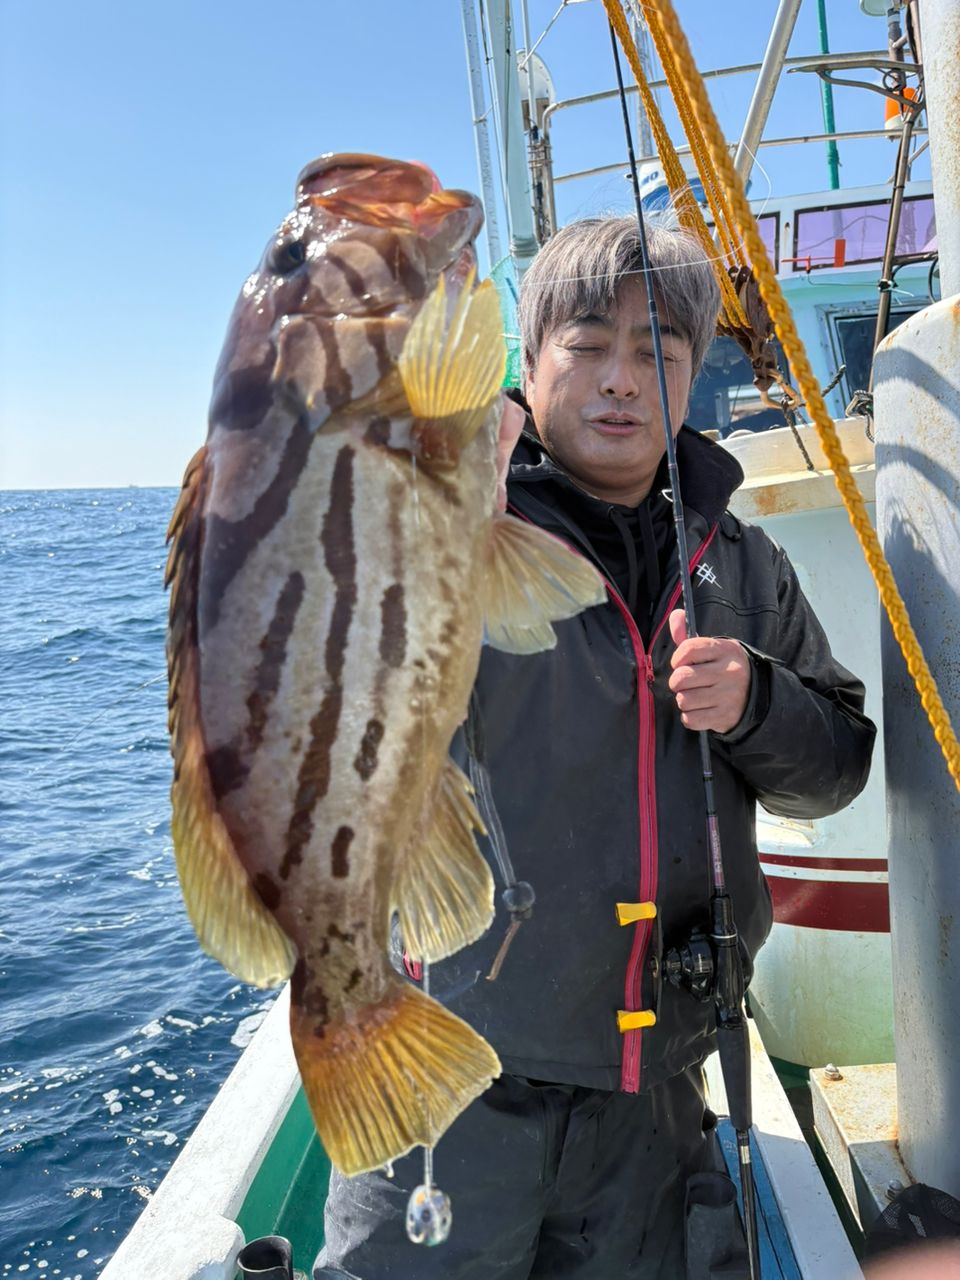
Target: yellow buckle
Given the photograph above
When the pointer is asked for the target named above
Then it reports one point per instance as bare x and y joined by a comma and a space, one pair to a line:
631, 912
627, 1021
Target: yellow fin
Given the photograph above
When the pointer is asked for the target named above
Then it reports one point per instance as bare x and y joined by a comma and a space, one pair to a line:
231, 922
444, 889
453, 371
533, 579
398, 1073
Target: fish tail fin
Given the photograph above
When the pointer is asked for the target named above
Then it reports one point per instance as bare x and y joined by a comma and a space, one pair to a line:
444, 888
395, 1075
533, 579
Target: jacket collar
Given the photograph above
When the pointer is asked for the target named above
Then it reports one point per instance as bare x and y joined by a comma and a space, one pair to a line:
709, 475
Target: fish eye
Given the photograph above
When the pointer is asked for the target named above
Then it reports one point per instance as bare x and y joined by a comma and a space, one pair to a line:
287, 255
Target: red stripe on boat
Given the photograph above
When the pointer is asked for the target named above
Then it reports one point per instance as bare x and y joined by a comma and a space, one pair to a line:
824, 864
844, 906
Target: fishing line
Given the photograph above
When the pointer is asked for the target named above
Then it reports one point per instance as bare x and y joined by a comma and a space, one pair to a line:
727, 981
124, 697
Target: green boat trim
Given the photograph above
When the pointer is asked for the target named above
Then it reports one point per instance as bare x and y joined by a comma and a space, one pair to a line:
255, 1167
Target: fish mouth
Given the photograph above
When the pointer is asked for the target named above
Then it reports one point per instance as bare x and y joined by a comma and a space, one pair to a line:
383, 192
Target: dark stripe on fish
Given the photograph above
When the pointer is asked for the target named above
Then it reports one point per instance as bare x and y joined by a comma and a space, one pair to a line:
273, 647
228, 543
393, 626
340, 557
341, 560
340, 861
378, 432
377, 337
401, 267
355, 281
269, 891
337, 386
227, 770
366, 761
242, 397
313, 781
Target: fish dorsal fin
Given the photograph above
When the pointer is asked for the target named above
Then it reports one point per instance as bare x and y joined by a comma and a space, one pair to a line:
452, 371
231, 922
533, 579
444, 889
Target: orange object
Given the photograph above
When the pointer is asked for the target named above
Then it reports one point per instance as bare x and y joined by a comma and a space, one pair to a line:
893, 112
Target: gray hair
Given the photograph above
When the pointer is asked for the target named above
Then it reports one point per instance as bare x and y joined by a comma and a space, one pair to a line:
580, 268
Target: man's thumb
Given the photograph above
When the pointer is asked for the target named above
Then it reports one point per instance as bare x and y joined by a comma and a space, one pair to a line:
678, 626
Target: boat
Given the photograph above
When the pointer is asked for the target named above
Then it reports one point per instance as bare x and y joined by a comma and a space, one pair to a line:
823, 991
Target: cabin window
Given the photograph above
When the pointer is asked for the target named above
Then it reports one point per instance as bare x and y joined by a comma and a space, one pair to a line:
841, 235
724, 398
853, 336
769, 228
768, 225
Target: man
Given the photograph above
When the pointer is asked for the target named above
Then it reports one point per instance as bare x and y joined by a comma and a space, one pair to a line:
575, 1162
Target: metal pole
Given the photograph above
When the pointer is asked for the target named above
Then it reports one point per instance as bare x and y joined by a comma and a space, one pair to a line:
531, 99
885, 283
777, 45
480, 129
941, 41
826, 94
523, 240
917, 416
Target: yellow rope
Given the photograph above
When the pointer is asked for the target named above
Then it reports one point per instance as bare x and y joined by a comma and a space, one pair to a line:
713, 188
688, 211
678, 52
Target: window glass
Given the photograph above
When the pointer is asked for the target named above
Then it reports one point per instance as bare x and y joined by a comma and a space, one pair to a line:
855, 336
863, 228
724, 398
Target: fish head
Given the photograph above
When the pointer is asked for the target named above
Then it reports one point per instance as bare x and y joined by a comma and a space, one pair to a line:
319, 325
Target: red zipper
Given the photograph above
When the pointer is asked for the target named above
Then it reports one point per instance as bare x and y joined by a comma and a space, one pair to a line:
647, 802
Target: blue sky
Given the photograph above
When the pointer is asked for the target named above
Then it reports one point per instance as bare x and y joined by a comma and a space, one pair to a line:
148, 152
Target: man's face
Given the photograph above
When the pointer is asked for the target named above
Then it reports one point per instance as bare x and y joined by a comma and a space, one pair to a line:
594, 396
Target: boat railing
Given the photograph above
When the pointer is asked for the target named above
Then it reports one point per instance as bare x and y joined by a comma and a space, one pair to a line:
824, 65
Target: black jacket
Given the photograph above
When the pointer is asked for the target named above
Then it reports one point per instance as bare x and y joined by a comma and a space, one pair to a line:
597, 785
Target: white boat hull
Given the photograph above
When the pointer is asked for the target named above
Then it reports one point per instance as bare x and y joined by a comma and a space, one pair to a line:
828, 877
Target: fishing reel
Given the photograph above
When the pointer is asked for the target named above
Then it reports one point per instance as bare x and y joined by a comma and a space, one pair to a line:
695, 964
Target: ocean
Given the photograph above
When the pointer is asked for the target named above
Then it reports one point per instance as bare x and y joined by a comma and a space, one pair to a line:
116, 1030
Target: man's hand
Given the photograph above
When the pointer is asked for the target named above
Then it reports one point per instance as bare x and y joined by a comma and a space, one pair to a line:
711, 678
511, 424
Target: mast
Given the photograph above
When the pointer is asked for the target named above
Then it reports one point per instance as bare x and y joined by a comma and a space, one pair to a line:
523, 241
917, 408
481, 131
766, 86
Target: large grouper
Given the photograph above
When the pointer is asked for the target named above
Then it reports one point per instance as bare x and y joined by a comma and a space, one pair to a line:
337, 562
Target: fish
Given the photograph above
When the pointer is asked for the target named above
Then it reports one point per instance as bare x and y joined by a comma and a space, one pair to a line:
336, 563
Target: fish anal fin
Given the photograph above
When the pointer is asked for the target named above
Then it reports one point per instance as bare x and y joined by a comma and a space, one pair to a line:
452, 369
395, 1075
533, 579
443, 893
230, 920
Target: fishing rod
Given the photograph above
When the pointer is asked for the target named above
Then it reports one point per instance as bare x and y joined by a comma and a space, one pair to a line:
710, 968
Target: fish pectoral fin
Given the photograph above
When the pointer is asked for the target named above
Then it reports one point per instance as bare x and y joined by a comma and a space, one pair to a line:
452, 370
396, 1074
533, 579
443, 893
231, 922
